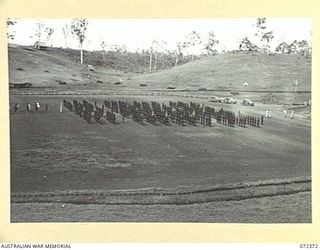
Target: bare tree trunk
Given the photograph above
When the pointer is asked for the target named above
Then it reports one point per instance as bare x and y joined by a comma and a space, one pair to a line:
176, 62
81, 54
104, 57
150, 62
155, 61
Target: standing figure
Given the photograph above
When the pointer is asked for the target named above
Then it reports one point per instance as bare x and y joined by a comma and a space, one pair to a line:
285, 113
37, 106
28, 107
16, 107
292, 112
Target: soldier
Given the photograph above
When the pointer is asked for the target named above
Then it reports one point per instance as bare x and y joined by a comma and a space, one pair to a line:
16, 107
28, 107
285, 113
37, 106
291, 115
262, 120
123, 119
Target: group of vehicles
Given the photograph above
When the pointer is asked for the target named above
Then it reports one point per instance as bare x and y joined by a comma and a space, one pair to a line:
229, 100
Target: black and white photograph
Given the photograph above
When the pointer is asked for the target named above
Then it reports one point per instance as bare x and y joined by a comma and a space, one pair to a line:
183, 120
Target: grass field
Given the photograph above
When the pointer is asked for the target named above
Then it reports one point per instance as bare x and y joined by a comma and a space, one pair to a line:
64, 169
65, 149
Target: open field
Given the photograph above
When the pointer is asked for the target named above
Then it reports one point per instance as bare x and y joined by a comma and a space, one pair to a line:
60, 152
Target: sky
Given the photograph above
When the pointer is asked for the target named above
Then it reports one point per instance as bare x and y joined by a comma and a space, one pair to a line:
139, 33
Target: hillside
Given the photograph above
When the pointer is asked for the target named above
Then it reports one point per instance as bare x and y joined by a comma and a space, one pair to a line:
261, 72
48, 68
229, 71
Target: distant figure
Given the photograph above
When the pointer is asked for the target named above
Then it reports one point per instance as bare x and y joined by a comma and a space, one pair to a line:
285, 113
28, 107
16, 107
292, 112
37, 106
267, 113
61, 107
123, 119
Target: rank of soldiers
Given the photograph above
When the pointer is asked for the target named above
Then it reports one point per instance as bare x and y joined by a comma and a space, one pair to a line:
155, 113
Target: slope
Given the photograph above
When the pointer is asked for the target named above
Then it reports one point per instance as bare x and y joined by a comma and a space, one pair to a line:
231, 71
51, 67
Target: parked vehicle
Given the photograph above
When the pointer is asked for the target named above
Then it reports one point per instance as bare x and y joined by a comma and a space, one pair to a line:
247, 102
214, 99
230, 100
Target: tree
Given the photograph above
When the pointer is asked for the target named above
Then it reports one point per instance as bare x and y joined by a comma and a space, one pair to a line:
156, 47
49, 32
39, 30
191, 41
283, 48
103, 45
178, 53
264, 36
211, 43
78, 28
246, 44
65, 31
10, 22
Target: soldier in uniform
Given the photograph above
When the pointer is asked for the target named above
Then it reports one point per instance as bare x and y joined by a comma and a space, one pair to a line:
16, 107
28, 107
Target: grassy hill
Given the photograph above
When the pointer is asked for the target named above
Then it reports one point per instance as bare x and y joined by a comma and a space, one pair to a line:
228, 71
48, 68
261, 72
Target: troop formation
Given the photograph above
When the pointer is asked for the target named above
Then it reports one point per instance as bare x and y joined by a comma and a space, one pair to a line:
155, 113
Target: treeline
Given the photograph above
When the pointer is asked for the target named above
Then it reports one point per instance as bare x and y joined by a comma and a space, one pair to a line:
138, 62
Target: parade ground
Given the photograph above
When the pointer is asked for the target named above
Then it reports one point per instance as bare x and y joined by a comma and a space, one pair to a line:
55, 152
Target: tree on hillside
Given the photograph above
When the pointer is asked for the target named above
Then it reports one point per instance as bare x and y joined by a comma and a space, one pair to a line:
247, 45
39, 30
283, 48
191, 41
65, 31
263, 35
300, 47
157, 46
178, 53
49, 32
78, 28
103, 45
10, 22
211, 43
